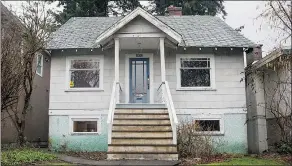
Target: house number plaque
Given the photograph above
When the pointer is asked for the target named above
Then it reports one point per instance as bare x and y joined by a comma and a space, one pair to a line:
139, 55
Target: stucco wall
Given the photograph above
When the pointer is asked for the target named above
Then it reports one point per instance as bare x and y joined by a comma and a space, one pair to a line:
62, 140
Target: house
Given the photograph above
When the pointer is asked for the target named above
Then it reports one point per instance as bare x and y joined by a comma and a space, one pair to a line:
269, 100
123, 84
37, 119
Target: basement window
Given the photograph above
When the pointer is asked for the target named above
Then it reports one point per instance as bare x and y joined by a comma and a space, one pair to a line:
210, 126
82, 125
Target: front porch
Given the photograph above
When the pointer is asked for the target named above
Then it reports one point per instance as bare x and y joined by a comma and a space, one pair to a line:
142, 119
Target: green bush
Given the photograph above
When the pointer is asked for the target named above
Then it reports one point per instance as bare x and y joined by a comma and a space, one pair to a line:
284, 147
24, 156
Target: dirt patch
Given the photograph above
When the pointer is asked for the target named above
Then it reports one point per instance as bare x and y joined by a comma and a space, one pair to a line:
205, 160
287, 158
88, 155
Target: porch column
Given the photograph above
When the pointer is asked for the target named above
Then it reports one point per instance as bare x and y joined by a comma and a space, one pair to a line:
117, 56
162, 59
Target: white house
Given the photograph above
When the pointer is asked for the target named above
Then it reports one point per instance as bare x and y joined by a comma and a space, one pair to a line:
123, 84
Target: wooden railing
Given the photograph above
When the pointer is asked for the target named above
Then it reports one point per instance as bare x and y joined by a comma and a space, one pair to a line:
167, 98
113, 101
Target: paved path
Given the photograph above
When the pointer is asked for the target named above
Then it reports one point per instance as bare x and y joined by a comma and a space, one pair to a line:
77, 160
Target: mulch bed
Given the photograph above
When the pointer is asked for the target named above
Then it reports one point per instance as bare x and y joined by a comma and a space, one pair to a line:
205, 160
88, 155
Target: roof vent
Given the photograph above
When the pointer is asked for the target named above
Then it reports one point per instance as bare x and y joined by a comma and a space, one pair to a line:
174, 11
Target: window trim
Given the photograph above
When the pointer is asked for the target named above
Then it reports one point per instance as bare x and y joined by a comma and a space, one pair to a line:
84, 57
211, 117
84, 118
42, 65
212, 71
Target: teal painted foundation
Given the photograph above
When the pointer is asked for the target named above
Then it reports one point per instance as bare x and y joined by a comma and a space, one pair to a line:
234, 139
60, 139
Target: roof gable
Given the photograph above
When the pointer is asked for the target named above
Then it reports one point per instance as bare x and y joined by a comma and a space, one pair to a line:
135, 13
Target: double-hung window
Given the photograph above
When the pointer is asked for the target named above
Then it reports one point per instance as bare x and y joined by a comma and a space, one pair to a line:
39, 67
85, 73
195, 72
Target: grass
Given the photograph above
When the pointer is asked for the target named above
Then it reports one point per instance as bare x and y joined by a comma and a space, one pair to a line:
25, 156
249, 161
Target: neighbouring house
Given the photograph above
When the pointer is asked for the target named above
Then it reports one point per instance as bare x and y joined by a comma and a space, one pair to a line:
123, 84
269, 99
37, 121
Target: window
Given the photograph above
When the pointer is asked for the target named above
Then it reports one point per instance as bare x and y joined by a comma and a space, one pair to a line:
84, 125
212, 124
208, 125
85, 73
39, 68
195, 72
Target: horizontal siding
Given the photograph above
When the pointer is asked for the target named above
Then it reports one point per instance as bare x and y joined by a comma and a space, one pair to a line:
229, 92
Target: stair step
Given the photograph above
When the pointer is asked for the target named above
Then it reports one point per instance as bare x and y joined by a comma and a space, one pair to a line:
142, 128
155, 141
143, 111
141, 116
140, 121
142, 148
143, 156
141, 124
142, 134
141, 105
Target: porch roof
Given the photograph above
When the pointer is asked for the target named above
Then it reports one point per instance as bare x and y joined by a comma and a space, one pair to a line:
196, 31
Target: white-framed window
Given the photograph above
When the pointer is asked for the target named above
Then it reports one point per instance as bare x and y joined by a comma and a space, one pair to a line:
85, 73
85, 125
39, 67
195, 72
209, 125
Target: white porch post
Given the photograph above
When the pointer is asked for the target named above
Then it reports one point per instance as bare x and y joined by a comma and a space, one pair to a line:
162, 59
117, 56
117, 63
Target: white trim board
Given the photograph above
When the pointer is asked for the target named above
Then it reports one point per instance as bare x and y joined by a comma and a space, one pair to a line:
151, 63
77, 112
180, 111
139, 12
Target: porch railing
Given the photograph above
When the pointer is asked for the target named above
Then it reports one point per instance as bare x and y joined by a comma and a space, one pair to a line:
115, 95
165, 97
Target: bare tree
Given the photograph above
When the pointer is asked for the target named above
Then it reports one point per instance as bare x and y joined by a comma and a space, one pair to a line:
279, 94
34, 33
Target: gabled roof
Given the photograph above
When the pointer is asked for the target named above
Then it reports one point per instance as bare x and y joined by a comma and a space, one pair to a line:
196, 31
139, 12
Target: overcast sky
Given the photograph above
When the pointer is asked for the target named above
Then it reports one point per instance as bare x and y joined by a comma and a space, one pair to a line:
239, 13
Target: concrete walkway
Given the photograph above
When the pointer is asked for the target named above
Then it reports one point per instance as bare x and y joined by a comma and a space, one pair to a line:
77, 160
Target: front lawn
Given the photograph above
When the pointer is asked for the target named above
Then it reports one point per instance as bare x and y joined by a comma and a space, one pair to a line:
249, 161
25, 156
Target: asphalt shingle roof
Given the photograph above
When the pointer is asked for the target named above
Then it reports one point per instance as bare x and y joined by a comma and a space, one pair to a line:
198, 31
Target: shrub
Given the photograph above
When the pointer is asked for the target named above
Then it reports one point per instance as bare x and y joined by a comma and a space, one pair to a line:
284, 147
24, 156
191, 144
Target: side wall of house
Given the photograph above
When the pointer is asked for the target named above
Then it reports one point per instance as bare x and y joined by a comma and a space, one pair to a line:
226, 102
37, 119
278, 97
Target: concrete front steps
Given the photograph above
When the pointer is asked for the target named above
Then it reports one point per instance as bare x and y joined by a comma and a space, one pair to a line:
142, 133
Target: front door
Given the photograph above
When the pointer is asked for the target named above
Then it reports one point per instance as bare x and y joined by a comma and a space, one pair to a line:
139, 80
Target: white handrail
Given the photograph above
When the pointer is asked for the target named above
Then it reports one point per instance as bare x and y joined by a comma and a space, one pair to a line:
112, 107
171, 111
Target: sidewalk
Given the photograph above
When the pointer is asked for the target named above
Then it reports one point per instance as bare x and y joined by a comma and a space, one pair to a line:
76, 160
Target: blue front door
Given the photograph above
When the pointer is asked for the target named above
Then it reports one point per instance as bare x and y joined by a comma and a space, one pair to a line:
139, 80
